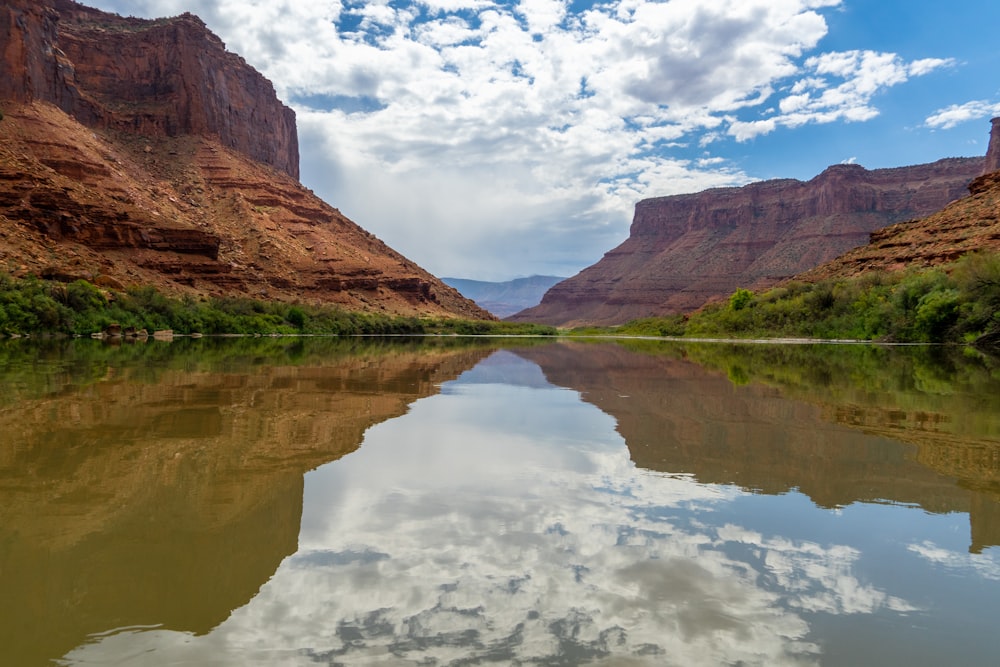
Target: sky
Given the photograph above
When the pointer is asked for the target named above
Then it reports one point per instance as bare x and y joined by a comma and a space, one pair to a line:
497, 139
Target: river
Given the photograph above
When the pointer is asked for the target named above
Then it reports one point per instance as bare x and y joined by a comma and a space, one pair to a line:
450, 501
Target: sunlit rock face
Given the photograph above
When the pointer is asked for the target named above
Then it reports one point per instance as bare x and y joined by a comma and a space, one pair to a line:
149, 78
686, 250
140, 152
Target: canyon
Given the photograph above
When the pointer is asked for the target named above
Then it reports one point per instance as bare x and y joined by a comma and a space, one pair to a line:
684, 251
505, 298
137, 152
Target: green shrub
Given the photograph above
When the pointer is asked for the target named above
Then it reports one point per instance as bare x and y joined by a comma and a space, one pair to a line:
740, 299
928, 305
935, 313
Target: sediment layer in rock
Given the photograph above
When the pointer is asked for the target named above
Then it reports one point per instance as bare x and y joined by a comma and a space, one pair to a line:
137, 152
687, 250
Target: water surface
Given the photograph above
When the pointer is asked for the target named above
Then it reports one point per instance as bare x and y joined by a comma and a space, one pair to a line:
445, 503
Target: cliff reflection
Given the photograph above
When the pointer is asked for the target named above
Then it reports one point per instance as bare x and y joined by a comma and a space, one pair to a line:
162, 484
503, 522
870, 424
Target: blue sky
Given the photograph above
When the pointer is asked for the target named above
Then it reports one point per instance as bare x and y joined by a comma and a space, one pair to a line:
493, 140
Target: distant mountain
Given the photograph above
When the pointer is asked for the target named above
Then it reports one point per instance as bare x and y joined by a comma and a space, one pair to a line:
506, 298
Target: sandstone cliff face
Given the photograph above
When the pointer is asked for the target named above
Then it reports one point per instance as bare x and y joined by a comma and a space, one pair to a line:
993, 152
190, 217
964, 226
154, 78
684, 251
142, 153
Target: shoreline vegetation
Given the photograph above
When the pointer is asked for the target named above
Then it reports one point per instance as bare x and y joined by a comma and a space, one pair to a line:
954, 303
32, 306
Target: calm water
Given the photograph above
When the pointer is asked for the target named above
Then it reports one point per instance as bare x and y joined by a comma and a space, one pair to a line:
450, 502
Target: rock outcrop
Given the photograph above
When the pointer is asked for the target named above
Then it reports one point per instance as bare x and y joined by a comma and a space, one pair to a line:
993, 152
961, 227
684, 251
154, 78
138, 152
964, 226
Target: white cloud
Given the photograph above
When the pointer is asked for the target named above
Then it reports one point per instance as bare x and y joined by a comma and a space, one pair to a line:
838, 86
949, 117
478, 131
985, 565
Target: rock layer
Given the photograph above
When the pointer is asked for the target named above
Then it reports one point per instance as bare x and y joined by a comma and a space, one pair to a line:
155, 78
993, 152
686, 250
138, 152
964, 226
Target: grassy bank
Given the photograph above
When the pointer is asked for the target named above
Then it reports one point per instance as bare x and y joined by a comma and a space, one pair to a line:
34, 306
959, 302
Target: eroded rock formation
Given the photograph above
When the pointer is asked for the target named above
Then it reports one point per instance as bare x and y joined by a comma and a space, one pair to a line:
153, 78
966, 225
138, 152
686, 250
993, 152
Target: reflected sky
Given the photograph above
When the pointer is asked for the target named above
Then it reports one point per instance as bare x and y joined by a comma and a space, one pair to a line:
502, 521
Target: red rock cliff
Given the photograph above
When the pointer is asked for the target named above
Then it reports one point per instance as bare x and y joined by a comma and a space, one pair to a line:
140, 152
686, 250
155, 78
993, 152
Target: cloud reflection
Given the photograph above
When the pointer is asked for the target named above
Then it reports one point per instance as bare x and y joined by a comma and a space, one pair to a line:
506, 524
986, 566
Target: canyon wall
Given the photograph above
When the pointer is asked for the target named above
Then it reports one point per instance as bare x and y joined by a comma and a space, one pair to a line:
137, 152
686, 250
993, 152
154, 78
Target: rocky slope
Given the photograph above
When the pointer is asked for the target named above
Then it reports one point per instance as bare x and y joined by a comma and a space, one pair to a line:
141, 152
966, 225
684, 251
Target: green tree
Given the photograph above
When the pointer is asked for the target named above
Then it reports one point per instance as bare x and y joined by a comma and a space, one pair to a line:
740, 299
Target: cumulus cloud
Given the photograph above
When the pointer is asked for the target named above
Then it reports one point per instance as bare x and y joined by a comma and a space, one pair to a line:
985, 565
475, 136
949, 117
837, 86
